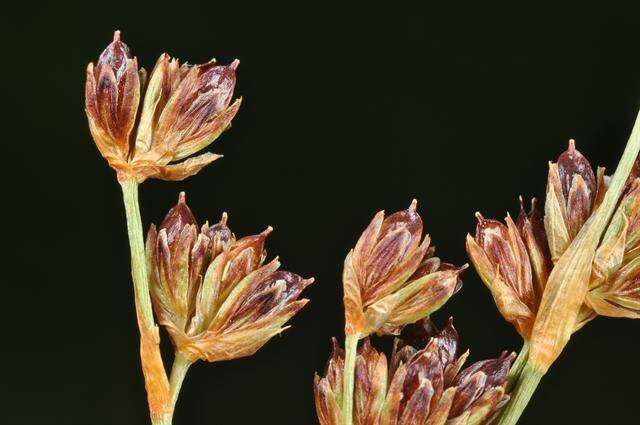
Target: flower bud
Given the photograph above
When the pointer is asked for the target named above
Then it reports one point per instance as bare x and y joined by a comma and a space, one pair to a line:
390, 278
112, 95
220, 236
185, 108
501, 258
176, 255
422, 384
213, 293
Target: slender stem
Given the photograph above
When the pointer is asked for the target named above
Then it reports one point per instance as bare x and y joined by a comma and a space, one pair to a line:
527, 384
156, 381
518, 365
138, 259
351, 347
179, 370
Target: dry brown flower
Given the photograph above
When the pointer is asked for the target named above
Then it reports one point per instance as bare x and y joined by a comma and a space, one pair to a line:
516, 259
573, 192
501, 258
423, 384
212, 292
185, 108
391, 277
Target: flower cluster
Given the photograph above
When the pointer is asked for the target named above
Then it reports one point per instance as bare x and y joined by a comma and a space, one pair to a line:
423, 383
184, 108
515, 259
391, 277
212, 291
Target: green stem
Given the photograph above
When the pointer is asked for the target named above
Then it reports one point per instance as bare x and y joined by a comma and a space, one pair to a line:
518, 365
138, 259
156, 381
351, 349
179, 370
527, 384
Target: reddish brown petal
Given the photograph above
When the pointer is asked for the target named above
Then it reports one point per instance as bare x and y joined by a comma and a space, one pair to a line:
429, 265
203, 94
395, 244
495, 370
493, 237
245, 256
468, 391
335, 366
416, 409
116, 54
107, 100
408, 219
386, 255
177, 218
418, 334
367, 241
117, 92
572, 163
424, 366
578, 205
205, 134
269, 296
507, 253
213, 93
220, 236
447, 341
531, 228
327, 406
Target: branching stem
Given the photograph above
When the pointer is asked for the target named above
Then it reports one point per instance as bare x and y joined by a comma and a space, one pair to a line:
155, 376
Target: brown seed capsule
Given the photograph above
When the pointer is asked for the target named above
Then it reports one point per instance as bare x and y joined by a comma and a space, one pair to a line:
572, 190
422, 384
112, 95
390, 278
220, 236
185, 108
213, 293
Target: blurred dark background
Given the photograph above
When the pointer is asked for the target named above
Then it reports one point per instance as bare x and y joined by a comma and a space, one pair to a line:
347, 110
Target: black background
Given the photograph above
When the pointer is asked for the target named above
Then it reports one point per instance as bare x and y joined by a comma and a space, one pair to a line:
347, 110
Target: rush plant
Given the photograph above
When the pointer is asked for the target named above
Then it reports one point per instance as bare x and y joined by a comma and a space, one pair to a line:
550, 271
